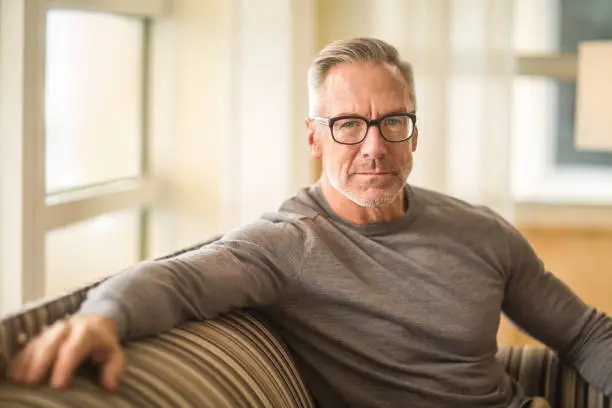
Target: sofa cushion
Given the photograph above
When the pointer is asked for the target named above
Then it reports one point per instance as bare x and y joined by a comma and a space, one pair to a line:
19, 327
540, 373
16, 329
232, 361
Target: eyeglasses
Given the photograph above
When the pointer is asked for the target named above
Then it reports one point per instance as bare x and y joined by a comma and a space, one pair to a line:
352, 129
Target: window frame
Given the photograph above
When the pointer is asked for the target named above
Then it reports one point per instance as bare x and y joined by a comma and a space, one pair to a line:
27, 213
548, 181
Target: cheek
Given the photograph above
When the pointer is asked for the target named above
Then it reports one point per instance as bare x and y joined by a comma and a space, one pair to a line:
408, 155
339, 160
403, 156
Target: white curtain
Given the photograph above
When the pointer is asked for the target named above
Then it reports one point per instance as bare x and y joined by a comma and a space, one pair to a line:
463, 59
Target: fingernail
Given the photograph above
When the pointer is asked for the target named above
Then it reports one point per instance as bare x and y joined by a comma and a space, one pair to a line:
56, 383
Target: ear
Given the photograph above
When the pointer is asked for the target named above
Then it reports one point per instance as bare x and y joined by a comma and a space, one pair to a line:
414, 139
313, 142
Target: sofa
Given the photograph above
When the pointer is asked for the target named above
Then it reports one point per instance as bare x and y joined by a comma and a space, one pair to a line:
235, 360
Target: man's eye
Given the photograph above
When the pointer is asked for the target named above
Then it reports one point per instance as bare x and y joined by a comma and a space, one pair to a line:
349, 124
393, 122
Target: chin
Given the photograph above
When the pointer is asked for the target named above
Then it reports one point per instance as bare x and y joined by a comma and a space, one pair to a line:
370, 193
373, 197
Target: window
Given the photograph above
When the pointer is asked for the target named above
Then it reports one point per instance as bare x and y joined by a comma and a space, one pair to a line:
94, 115
73, 164
113, 241
579, 21
546, 164
94, 104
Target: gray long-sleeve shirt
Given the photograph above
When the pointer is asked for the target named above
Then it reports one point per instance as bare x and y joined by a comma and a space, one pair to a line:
376, 315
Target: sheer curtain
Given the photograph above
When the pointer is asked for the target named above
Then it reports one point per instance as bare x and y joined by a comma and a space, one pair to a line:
463, 59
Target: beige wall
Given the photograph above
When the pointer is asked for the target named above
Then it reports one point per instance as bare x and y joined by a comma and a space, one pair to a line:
192, 101
228, 122
580, 257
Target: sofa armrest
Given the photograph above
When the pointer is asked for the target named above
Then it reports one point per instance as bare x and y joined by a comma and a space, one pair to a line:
233, 361
541, 374
17, 328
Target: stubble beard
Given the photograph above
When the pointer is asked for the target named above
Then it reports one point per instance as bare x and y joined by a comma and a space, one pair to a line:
389, 194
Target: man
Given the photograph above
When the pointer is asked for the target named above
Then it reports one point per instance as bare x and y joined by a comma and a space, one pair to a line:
386, 294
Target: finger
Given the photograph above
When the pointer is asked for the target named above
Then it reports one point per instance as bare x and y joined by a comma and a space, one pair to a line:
45, 352
19, 366
71, 353
112, 370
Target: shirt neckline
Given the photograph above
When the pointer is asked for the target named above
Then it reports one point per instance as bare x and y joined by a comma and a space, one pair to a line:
386, 227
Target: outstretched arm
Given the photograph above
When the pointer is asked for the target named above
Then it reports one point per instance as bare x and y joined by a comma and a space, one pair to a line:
547, 309
246, 268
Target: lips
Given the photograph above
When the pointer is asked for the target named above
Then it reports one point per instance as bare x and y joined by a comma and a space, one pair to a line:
374, 169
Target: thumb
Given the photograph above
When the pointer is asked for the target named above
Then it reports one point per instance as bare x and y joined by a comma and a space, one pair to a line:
112, 369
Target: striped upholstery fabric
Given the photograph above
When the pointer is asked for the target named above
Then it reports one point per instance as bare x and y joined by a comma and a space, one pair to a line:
232, 361
17, 328
540, 373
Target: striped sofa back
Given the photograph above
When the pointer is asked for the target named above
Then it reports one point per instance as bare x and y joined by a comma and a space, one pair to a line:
235, 360
540, 373
232, 361
16, 328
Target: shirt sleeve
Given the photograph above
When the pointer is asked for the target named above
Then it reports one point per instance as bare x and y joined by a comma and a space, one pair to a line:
547, 309
248, 267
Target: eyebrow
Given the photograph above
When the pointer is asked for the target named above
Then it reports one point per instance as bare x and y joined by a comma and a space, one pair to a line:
393, 112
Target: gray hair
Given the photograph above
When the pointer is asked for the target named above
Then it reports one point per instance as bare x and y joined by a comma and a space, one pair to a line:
356, 50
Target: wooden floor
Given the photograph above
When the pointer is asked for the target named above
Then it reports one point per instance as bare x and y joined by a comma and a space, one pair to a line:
581, 258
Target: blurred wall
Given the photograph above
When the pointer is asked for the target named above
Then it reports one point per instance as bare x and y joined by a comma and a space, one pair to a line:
228, 140
580, 257
191, 78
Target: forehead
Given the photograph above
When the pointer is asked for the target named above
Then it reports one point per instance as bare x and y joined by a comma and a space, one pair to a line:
365, 88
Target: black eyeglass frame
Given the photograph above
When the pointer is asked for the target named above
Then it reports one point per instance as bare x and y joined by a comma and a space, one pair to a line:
374, 122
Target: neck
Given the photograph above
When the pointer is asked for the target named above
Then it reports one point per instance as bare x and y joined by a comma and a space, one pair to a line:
352, 212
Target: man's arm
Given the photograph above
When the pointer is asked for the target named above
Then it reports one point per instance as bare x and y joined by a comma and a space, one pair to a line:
246, 268
547, 309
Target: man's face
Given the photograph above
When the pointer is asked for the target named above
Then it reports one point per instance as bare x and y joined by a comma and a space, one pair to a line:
373, 172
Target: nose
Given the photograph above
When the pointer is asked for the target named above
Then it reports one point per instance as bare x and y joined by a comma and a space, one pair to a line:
374, 146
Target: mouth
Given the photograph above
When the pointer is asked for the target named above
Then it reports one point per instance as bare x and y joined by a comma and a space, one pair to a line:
375, 173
